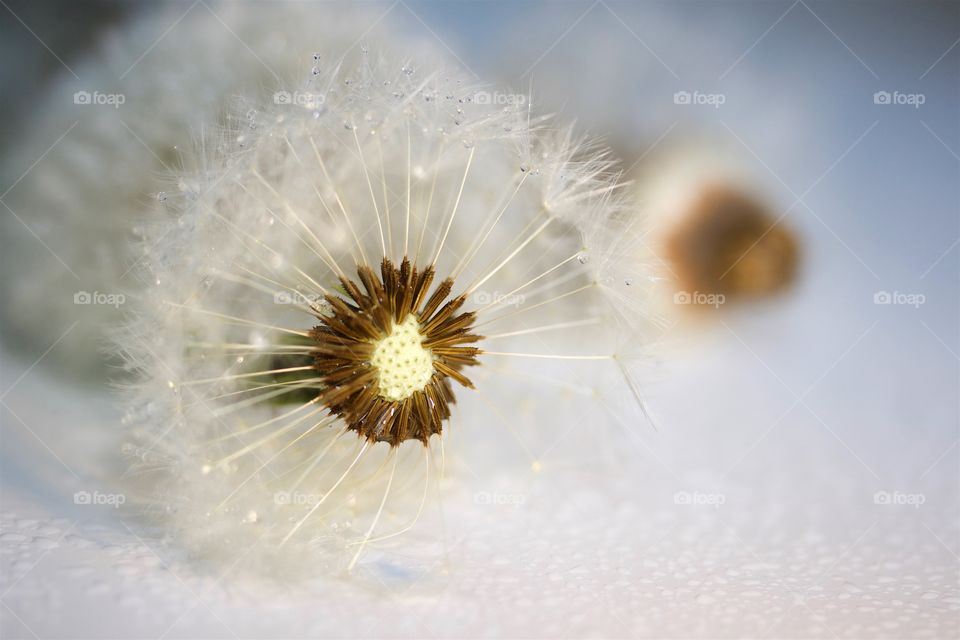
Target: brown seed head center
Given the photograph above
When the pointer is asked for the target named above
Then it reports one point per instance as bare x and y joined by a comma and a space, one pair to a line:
387, 352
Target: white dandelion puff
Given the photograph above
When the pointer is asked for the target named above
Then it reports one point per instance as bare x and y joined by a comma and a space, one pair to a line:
334, 279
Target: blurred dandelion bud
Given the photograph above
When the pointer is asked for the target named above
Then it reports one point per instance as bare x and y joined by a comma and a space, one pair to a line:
715, 239
336, 280
729, 245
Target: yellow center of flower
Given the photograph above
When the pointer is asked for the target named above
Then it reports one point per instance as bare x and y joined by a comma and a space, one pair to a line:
403, 364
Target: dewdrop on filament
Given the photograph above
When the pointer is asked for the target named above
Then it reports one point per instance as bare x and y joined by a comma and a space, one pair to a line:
317, 361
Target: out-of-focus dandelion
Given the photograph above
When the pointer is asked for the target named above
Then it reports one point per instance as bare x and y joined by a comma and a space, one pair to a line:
80, 170
715, 240
339, 266
729, 244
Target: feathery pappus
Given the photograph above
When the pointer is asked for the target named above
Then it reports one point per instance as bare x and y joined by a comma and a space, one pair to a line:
86, 198
341, 268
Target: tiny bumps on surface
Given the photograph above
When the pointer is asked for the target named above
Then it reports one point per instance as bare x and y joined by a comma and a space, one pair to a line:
403, 364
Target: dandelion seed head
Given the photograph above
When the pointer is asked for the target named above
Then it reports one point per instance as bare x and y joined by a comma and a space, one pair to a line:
330, 288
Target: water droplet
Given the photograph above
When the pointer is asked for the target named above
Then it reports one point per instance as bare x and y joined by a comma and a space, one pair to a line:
162, 196
583, 257
258, 340
315, 71
407, 70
